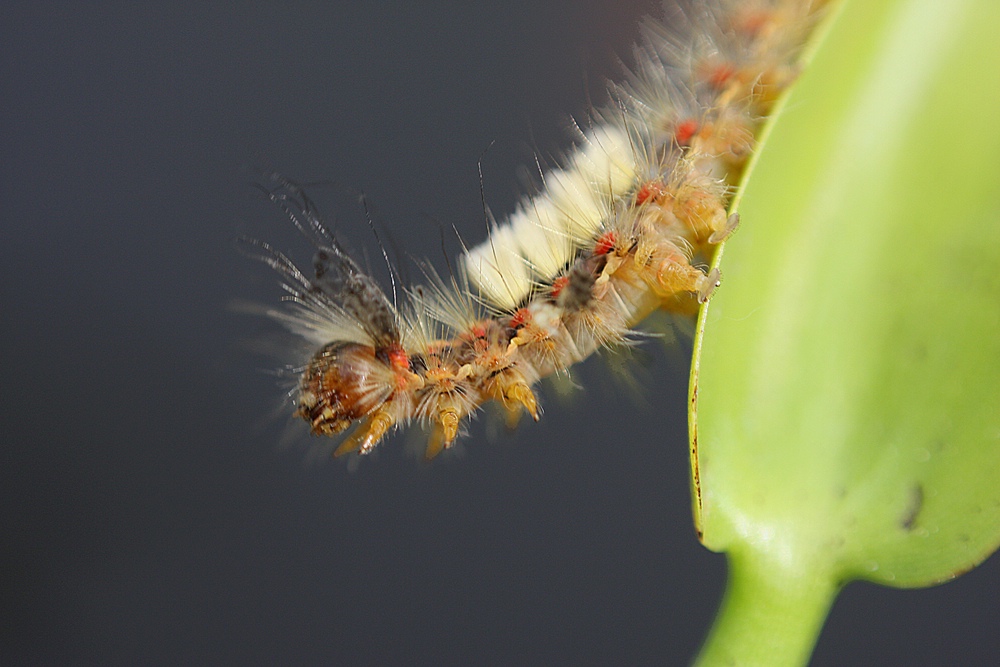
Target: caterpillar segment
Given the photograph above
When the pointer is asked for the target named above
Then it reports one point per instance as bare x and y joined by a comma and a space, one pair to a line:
618, 231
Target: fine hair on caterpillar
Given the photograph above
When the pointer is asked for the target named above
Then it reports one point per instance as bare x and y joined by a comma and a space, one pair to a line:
621, 228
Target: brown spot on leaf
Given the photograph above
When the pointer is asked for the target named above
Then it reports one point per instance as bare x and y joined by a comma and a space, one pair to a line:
916, 502
695, 464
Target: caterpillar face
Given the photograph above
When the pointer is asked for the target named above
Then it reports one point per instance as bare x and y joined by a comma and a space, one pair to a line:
342, 383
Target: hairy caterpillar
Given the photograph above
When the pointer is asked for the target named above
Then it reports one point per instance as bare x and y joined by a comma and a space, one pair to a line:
615, 233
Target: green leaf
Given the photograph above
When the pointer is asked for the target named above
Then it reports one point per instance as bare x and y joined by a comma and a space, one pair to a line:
845, 392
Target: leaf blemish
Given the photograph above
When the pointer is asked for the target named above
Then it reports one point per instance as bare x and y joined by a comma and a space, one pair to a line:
916, 502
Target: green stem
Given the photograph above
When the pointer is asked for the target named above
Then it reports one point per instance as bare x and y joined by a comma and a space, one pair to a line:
769, 616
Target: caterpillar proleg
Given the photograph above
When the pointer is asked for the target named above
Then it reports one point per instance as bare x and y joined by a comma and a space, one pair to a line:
618, 230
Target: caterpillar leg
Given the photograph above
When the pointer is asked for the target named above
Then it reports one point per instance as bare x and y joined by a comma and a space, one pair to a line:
511, 389
367, 434
674, 275
445, 430
720, 235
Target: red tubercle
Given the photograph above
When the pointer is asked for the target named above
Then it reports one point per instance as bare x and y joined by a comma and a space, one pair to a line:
647, 192
685, 131
606, 241
398, 357
520, 317
754, 22
558, 285
478, 331
720, 74
434, 349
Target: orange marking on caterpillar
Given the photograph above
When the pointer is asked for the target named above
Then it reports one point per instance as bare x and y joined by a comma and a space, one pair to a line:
558, 285
649, 191
754, 22
606, 241
398, 357
719, 75
685, 131
521, 317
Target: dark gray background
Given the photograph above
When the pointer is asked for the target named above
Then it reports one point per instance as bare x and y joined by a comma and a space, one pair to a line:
149, 514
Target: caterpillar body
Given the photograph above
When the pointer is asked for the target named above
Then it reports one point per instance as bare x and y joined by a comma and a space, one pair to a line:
615, 233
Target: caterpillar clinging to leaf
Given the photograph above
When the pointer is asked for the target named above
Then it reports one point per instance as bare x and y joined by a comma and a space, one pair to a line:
619, 230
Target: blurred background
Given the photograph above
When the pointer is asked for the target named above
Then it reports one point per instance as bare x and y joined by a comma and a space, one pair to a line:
157, 504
